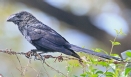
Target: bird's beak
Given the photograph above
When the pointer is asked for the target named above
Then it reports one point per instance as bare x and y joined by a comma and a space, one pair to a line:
11, 18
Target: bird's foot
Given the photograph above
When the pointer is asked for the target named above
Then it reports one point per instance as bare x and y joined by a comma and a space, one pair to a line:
60, 58
40, 57
34, 53
29, 54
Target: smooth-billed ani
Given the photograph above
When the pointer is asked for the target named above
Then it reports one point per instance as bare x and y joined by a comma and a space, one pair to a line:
46, 39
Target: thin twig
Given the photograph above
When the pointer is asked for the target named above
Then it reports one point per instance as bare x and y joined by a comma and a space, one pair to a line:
112, 46
19, 61
36, 71
55, 69
45, 70
23, 73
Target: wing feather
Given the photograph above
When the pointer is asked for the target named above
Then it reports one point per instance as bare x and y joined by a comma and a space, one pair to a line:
47, 34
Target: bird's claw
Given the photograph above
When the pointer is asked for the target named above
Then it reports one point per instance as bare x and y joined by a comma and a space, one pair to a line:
37, 56
60, 58
29, 54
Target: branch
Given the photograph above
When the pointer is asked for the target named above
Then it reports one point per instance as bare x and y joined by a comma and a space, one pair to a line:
41, 57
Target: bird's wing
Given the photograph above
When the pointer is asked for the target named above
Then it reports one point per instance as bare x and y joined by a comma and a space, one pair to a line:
47, 34
50, 46
50, 40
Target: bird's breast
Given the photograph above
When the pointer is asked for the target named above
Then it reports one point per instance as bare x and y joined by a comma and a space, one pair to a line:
28, 38
25, 34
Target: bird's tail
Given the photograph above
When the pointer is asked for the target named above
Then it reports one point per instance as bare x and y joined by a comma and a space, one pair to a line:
79, 49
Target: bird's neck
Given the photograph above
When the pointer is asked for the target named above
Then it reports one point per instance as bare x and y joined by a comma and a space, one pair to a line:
23, 26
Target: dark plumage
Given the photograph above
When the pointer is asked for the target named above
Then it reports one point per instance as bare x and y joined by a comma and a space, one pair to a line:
46, 39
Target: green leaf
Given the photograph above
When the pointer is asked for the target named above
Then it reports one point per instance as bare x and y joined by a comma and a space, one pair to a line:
117, 32
68, 68
111, 42
103, 63
128, 54
94, 70
128, 70
115, 43
98, 50
99, 72
109, 74
94, 75
75, 76
83, 75
116, 55
121, 32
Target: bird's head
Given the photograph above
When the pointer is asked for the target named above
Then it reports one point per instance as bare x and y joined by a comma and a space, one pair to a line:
20, 17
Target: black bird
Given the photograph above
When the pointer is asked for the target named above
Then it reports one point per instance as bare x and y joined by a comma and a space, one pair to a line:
46, 39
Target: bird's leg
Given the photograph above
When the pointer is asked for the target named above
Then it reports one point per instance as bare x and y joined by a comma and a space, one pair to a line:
60, 58
29, 54
33, 52
38, 56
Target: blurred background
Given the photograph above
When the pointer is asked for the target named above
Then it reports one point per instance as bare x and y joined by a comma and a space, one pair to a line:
86, 23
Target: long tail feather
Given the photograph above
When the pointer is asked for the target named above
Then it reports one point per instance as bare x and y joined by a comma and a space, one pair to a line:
79, 49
